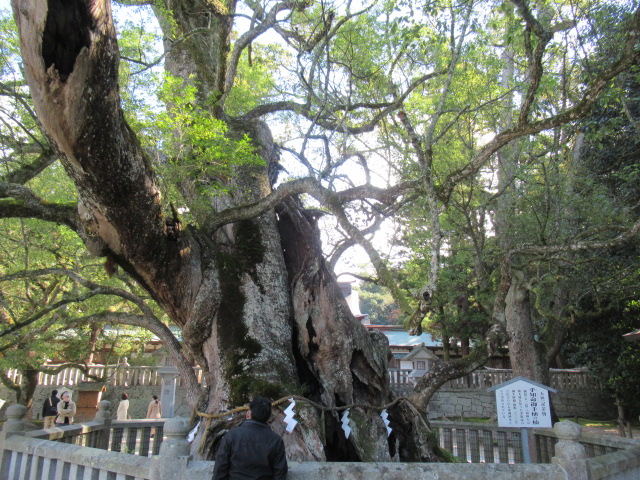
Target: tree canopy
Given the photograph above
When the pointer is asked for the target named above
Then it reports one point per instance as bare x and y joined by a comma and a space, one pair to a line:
458, 122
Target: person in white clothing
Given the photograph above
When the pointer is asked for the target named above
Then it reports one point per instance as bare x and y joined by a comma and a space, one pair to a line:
123, 408
154, 410
66, 409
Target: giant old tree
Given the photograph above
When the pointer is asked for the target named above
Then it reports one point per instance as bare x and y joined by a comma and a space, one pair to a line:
245, 279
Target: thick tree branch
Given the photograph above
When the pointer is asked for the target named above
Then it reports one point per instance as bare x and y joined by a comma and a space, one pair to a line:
629, 57
83, 367
313, 188
267, 21
155, 326
17, 201
26, 172
442, 372
148, 320
324, 116
576, 246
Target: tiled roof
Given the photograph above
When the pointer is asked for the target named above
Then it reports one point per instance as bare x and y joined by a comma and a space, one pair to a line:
399, 337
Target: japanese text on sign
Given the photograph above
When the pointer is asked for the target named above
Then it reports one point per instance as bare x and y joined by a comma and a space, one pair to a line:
521, 404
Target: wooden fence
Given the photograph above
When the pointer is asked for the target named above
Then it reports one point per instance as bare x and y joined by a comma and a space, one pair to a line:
561, 380
120, 376
127, 376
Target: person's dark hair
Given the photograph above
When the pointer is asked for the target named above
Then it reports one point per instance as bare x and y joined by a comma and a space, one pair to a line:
54, 393
125, 396
260, 409
155, 397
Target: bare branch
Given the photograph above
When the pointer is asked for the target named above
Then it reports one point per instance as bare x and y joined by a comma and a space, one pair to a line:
313, 188
26, 172
268, 21
576, 246
26, 204
326, 118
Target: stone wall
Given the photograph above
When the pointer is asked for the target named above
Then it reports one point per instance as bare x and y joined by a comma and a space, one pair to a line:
449, 403
139, 398
480, 403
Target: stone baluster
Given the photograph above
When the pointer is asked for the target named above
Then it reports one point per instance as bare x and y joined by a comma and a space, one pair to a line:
15, 425
570, 454
174, 455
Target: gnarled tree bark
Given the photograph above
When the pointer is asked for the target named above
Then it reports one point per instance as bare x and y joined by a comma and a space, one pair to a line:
258, 309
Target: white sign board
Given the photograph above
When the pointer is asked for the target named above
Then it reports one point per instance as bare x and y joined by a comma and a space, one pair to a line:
523, 404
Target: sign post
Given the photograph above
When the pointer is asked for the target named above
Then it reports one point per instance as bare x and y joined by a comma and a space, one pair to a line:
523, 403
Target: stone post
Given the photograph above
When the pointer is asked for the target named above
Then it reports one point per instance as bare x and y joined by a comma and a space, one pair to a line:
15, 425
103, 415
174, 456
570, 454
169, 375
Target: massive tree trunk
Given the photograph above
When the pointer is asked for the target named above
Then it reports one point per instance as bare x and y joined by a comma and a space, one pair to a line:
528, 355
30, 382
258, 308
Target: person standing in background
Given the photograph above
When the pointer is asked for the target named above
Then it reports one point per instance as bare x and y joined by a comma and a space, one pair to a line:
66, 409
154, 411
50, 410
123, 408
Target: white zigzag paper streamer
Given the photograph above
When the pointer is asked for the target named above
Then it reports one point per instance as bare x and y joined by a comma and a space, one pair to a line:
345, 423
192, 434
385, 415
289, 414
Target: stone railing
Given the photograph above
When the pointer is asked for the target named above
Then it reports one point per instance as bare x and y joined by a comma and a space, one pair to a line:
137, 437
483, 379
115, 375
80, 452
480, 443
127, 376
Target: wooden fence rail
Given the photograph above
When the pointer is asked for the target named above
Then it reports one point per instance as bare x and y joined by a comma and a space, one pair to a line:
119, 376
127, 376
562, 380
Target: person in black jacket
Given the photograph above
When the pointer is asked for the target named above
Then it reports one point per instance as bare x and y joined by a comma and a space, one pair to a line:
252, 451
50, 410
